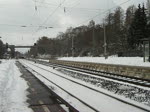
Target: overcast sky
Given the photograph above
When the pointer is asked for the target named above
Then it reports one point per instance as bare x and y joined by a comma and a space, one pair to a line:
58, 14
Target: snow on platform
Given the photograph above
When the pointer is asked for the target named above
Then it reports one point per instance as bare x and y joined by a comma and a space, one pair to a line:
12, 88
131, 61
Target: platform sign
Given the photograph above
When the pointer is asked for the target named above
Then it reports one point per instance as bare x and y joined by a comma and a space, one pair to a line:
146, 51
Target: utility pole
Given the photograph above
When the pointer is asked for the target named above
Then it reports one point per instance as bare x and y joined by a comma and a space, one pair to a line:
149, 50
35, 50
105, 41
1, 52
93, 39
148, 7
72, 45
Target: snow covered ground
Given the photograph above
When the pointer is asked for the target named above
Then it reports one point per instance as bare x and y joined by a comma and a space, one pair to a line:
132, 61
98, 101
12, 88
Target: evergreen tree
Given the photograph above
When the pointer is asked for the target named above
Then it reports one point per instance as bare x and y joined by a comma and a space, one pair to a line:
138, 28
1, 49
148, 23
89, 39
129, 16
148, 8
118, 29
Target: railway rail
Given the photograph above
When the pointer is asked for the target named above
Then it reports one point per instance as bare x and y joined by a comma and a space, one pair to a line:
77, 69
118, 77
59, 99
70, 106
125, 70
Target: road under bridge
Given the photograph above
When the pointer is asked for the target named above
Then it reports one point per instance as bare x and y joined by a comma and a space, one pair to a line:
13, 47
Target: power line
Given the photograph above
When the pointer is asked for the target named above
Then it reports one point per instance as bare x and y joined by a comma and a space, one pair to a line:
53, 12
69, 7
81, 8
49, 16
16, 25
66, 8
85, 9
51, 4
46, 3
104, 12
88, 10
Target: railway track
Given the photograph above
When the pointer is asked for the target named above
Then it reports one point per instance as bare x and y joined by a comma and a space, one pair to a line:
82, 101
127, 79
56, 97
74, 110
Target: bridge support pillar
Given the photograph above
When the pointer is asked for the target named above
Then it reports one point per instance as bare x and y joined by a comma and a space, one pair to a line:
12, 51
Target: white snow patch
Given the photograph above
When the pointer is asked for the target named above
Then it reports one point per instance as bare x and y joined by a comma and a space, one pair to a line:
132, 61
12, 88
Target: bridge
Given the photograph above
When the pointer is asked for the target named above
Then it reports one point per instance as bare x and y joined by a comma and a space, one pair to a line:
24, 46
34, 46
13, 47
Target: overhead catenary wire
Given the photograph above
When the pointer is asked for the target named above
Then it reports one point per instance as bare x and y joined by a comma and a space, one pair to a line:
46, 3
73, 7
93, 9
51, 4
49, 16
61, 5
74, 3
53, 12
16, 25
68, 9
103, 12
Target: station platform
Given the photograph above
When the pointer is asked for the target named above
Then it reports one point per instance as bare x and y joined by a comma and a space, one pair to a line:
39, 98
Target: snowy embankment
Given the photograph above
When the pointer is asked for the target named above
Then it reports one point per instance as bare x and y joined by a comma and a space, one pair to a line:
12, 88
131, 61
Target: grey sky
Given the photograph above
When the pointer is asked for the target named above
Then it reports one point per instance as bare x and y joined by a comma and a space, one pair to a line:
15, 13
